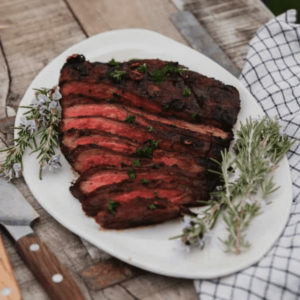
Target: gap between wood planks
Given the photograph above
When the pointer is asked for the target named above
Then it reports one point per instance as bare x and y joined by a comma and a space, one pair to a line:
5, 82
75, 17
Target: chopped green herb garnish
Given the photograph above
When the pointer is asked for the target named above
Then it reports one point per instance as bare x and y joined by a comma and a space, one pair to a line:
117, 75
166, 106
147, 149
195, 116
158, 75
112, 206
131, 174
130, 119
186, 92
155, 193
155, 166
144, 181
144, 152
116, 95
152, 206
150, 128
154, 143
142, 68
113, 63
136, 163
123, 164
111, 100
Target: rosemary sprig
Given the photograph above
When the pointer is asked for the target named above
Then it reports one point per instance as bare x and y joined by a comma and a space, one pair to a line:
37, 131
245, 176
12, 165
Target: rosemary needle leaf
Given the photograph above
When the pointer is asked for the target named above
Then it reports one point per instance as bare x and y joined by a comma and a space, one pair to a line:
37, 131
245, 175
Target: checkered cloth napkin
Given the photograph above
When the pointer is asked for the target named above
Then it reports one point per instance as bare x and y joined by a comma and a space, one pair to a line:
272, 74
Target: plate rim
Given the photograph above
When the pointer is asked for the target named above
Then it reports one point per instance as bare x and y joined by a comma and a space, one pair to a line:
116, 253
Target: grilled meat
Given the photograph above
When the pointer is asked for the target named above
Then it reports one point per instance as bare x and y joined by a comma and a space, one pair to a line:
141, 134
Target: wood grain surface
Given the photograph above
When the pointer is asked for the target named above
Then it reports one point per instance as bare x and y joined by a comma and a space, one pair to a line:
55, 278
38, 31
9, 289
231, 23
98, 16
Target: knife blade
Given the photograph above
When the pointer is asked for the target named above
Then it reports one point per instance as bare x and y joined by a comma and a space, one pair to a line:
16, 215
9, 289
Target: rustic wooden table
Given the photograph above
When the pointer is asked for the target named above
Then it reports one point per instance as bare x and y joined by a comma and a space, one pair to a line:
33, 32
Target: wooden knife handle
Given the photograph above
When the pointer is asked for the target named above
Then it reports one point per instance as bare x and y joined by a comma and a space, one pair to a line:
9, 289
55, 279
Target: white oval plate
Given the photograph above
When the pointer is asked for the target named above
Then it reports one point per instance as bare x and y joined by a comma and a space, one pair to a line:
149, 247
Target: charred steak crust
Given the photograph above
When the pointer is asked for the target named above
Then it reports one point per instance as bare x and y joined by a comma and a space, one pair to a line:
141, 134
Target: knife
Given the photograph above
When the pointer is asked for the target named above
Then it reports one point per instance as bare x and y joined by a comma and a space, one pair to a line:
9, 289
16, 215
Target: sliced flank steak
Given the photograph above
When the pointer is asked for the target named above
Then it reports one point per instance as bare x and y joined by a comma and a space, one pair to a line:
142, 134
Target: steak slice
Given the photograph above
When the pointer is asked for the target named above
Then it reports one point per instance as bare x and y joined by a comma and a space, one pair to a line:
106, 110
101, 179
157, 127
167, 140
144, 214
87, 107
97, 190
73, 138
87, 156
185, 161
84, 157
210, 100
97, 201
121, 114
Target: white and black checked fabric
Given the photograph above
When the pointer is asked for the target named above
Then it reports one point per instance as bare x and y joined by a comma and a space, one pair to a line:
272, 74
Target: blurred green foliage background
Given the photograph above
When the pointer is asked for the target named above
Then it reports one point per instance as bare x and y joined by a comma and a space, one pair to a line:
280, 6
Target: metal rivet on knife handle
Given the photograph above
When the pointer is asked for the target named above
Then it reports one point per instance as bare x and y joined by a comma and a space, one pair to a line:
5, 291
16, 215
57, 278
34, 247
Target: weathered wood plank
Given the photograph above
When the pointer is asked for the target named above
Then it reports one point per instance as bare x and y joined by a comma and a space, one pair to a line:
5, 82
39, 31
199, 39
8, 281
107, 273
231, 23
184, 291
98, 16
113, 293
148, 285
95, 253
